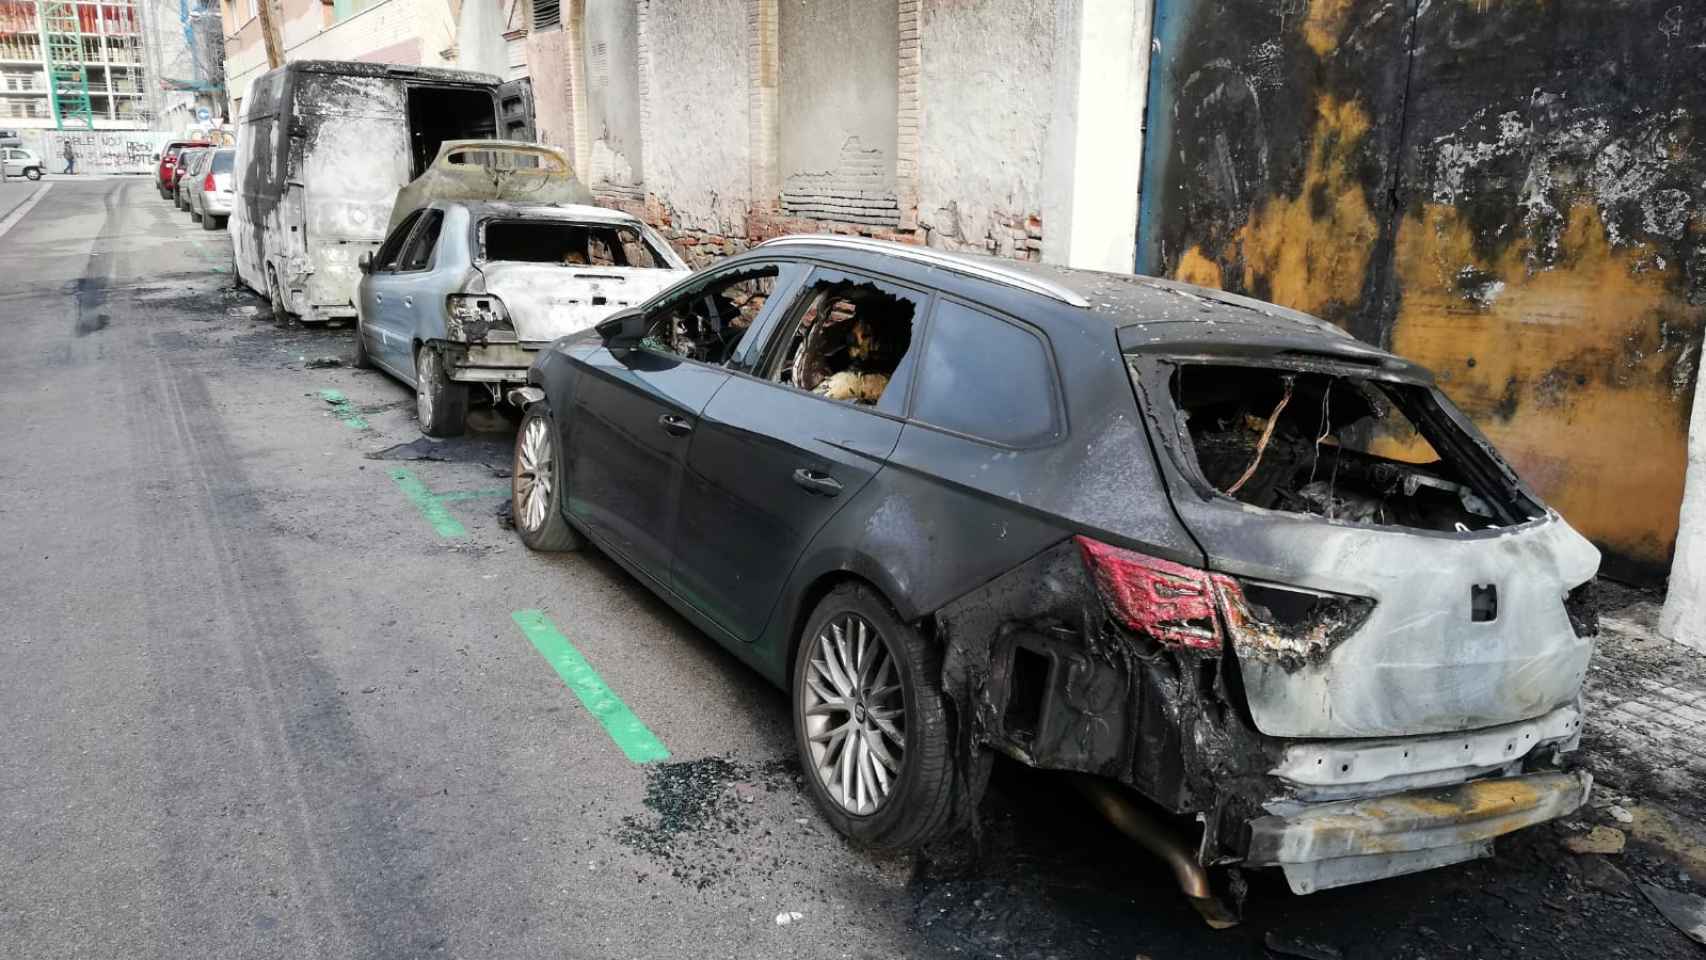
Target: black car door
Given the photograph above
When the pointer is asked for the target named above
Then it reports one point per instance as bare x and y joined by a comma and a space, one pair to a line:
635, 412
774, 456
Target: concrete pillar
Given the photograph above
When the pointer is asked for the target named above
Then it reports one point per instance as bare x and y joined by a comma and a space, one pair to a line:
1684, 615
1095, 151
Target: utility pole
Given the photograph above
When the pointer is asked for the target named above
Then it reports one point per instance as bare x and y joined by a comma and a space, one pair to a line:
269, 33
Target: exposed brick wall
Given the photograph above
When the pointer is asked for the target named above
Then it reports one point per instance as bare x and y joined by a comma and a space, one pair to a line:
908, 114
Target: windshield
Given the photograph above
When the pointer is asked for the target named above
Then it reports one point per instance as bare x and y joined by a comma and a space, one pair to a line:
223, 160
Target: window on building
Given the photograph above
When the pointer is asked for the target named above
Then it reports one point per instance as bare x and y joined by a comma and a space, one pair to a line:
547, 13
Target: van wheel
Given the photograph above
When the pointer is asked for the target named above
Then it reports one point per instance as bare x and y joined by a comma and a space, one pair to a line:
441, 404
536, 487
276, 295
33, 173
870, 722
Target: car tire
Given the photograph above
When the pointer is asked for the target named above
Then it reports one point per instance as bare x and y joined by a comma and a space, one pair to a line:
32, 173
441, 404
209, 221
193, 212
915, 803
536, 485
362, 361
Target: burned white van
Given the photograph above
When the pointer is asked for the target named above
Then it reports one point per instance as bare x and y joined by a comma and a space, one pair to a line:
324, 146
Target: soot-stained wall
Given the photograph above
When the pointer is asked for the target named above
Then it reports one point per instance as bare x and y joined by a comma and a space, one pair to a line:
1508, 191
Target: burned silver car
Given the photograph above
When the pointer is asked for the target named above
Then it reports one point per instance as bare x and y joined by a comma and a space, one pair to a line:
1188, 546
466, 293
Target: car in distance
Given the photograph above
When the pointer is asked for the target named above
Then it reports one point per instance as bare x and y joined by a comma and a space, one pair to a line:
21, 163
1179, 542
183, 175
166, 165
466, 293
207, 192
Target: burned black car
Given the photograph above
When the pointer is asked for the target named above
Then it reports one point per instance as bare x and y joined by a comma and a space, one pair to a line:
1179, 542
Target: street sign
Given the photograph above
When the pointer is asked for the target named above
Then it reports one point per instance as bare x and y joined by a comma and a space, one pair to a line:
203, 114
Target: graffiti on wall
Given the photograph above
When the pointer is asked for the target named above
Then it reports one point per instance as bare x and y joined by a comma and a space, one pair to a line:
1511, 192
101, 151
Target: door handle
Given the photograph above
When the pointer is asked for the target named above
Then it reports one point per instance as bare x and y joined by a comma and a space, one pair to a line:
818, 482
408, 301
675, 426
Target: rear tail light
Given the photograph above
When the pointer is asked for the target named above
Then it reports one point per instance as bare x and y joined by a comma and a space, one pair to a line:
1179, 605
477, 317
1169, 601
207, 183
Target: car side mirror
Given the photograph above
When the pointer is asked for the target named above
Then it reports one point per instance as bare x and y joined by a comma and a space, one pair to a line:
364, 263
622, 331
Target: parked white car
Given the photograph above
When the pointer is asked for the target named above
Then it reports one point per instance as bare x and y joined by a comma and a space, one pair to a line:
23, 163
465, 293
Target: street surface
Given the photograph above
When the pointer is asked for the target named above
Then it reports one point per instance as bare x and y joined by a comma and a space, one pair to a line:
265, 693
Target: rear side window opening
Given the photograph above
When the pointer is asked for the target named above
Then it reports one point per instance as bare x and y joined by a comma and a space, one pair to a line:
569, 244
1338, 446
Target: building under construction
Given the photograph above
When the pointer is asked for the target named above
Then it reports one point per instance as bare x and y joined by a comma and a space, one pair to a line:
107, 65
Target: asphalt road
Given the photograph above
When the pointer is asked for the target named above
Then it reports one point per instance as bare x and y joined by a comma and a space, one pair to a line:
259, 700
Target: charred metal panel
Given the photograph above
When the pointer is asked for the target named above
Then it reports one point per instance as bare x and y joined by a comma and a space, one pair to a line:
1507, 191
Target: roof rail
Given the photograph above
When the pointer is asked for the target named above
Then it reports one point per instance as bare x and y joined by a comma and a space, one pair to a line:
968, 266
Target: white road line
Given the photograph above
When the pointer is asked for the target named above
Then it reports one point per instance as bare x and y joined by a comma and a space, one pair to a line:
23, 208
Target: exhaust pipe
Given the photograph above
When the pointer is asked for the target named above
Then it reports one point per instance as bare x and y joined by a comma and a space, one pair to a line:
1154, 836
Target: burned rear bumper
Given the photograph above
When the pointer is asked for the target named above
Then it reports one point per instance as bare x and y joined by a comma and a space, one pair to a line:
1343, 842
491, 362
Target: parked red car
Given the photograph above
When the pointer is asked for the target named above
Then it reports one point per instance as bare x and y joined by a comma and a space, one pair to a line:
165, 176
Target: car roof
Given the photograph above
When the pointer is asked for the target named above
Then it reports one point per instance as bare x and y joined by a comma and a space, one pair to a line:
1145, 312
362, 68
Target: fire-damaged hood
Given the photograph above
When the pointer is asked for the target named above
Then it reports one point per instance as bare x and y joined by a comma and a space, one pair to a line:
547, 301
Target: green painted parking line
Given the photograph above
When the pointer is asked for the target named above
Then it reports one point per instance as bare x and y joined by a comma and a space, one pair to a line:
455, 495
431, 505
343, 409
634, 738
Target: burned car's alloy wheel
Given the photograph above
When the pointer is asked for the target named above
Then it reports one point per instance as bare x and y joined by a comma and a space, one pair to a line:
870, 722
536, 488
441, 404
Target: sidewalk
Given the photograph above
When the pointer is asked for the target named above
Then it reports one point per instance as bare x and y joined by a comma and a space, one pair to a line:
1645, 738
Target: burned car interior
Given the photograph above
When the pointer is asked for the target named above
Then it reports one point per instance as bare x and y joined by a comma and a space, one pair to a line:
709, 325
848, 340
1335, 446
437, 114
568, 243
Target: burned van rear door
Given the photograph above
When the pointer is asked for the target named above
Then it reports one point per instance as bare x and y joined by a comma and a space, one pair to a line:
350, 135
515, 110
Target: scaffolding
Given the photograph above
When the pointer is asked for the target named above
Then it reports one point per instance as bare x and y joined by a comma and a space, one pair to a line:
67, 73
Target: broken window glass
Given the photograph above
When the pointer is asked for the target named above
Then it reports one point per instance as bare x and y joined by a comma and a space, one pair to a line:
1339, 447
848, 339
570, 244
707, 322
